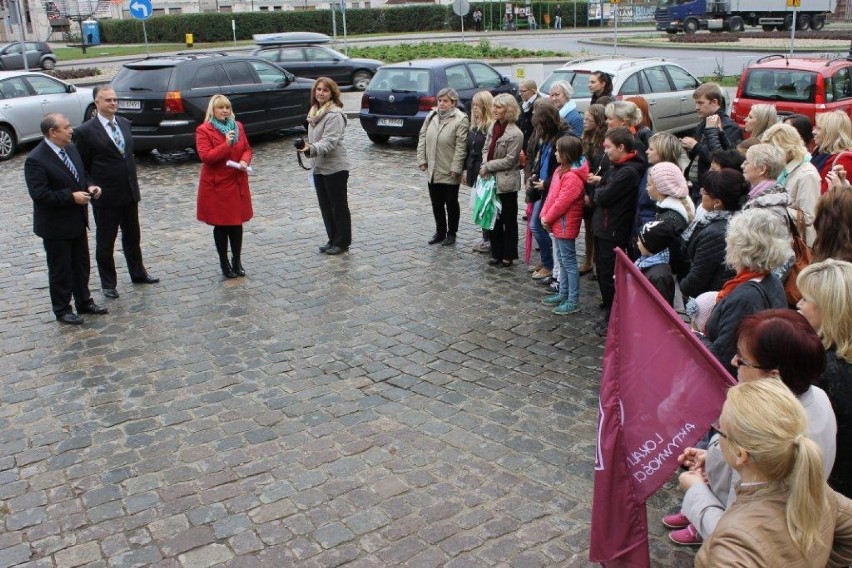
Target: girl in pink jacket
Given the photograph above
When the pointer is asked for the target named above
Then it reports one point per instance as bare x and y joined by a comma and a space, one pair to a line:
561, 215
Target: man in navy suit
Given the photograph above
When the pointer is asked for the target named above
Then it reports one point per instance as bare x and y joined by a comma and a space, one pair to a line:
106, 147
58, 186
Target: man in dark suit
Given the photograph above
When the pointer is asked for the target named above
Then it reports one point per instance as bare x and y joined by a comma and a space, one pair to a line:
106, 146
57, 184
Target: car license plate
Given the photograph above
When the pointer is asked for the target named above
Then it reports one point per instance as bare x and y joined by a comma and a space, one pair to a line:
390, 122
129, 105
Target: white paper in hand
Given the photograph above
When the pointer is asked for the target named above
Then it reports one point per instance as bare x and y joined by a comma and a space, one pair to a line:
237, 166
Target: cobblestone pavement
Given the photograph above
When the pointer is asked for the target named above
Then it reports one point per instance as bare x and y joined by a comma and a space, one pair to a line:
399, 405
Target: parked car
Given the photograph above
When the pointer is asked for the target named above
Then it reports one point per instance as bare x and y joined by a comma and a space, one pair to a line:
665, 85
303, 54
165, 98
400, 95
25, 97
39, 55
795, 85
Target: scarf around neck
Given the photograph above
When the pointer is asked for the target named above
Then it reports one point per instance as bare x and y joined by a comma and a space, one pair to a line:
227, 126
661, 257
740, 278
703, 220
444, 115
498, 131
317, 112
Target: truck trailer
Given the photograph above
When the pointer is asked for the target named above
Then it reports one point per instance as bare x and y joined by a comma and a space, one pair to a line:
689, 16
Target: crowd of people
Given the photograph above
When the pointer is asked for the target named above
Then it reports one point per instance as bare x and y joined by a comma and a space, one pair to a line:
745, 231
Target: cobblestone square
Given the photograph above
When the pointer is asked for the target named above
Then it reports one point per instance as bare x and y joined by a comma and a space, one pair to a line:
398, 405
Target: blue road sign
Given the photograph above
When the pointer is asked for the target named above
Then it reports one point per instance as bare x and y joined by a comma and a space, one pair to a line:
141, 9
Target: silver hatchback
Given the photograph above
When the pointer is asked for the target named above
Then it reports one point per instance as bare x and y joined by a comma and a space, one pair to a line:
665, 85
24, 100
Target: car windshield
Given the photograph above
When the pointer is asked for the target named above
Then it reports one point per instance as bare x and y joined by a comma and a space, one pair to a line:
578, 79
142, 79
401, 79
780, 85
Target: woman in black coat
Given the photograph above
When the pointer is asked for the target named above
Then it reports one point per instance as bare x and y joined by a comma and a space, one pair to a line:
481, 118
703, 242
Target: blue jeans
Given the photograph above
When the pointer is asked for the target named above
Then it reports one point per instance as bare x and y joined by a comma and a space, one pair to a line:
542, 237
569, 272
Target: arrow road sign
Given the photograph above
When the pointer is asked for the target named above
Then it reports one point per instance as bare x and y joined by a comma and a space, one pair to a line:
141, 9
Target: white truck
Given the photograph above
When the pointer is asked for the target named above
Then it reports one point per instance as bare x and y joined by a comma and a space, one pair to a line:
689, 16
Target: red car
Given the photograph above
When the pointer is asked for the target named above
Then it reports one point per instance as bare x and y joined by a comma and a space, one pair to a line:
795, 85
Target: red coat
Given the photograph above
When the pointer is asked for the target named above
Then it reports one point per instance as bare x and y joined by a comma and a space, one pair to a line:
563, 208
844, 159
223, 192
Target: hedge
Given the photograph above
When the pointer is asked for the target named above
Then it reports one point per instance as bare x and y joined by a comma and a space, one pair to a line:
216, 27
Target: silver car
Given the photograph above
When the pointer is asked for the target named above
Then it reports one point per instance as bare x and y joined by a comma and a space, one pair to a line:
666, 86
24, 100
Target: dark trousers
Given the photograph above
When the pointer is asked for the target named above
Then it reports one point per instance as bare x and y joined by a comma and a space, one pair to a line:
445, 196
334, 206
504, 237
68, 272
108, 221
605, 266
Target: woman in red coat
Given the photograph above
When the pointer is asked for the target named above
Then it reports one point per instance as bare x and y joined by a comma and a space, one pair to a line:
224, 199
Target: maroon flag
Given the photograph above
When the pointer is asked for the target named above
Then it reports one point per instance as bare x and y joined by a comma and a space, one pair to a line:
660, 391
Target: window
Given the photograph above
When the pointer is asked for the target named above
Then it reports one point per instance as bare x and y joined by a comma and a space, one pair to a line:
269, 73
630, 86
13, 88
842, 84
485, 76
292, 54
268, 54
45, 85
13, 49
458, 78
682, 80
401, 79
318, 54
209, 76
239, 73
657, 80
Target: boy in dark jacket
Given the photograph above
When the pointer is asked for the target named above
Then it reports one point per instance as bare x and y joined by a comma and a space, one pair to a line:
654, 240
615, 201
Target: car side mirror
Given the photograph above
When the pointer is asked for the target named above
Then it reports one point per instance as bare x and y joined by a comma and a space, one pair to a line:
289, 77
505, 80
71, 89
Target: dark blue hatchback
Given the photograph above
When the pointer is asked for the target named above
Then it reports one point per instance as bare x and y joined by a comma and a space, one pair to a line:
400, 95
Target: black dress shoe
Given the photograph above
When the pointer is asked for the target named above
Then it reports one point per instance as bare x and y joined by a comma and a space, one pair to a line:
92, 308
227, 271
335, 250
146, 280
110, 293
325, 247
237, 266
495, 262
70, 318
450, 240
437, 238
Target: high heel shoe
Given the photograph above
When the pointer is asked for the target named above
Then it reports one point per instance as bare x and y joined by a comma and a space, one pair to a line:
237, 266
227, 271
506, 263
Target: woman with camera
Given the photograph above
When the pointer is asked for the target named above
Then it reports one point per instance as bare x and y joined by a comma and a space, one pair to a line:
326, 125
224, 199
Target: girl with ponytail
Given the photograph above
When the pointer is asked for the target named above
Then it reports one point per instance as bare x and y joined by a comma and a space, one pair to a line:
784, 514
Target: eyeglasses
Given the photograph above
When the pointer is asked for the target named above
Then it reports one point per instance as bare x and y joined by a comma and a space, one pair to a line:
525, 90
740, 362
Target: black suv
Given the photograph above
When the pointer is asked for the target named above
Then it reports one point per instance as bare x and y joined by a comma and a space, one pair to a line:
165, 98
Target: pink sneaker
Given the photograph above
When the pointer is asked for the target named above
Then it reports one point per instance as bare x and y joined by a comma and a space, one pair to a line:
676, 521
686, 537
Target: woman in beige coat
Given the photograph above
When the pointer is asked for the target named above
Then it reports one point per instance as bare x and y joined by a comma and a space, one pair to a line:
441, 150
503, 146
785, 514
799, 176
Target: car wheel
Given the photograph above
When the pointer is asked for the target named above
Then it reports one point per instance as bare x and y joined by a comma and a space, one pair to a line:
788, 23
378, 138
737, 25
91, 112
360, 79
8, 145
768, 28
817, 22
803, 22
690, 26
48, 64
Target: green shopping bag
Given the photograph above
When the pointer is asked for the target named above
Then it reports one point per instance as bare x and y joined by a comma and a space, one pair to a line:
484, 202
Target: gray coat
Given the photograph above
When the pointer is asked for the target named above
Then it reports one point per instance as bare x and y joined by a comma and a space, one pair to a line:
326, 140
504, 164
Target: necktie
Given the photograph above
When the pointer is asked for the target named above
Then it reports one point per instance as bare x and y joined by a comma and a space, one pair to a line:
69, 164
116, 136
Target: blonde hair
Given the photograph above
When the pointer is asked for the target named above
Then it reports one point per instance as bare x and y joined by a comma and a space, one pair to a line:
764, 117
766, 420
835, 131
788, 139
624, 111
507, 101
484, 100
829, 285
756, 241
667, 146
768, 156
217, 101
